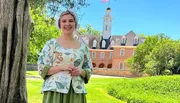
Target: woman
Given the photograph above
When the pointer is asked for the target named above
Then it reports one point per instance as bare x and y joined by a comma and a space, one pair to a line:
65, 65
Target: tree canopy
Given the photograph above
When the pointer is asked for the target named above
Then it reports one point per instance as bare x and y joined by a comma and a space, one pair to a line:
158, 55
88, 30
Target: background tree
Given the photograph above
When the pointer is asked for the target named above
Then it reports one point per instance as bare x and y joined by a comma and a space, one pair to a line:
89, 30
158, 55
137, 63
44, 30
161, 58
176, 67
15, 29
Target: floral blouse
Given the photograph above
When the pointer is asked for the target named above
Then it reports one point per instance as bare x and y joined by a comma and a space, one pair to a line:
54, 54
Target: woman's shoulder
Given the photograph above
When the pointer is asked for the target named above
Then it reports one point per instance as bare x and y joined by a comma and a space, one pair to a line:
51, 41
85, 46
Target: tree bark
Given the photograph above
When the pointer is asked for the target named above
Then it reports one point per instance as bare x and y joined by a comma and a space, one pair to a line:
15, 28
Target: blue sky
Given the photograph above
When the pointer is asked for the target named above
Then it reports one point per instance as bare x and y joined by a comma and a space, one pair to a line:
147, 17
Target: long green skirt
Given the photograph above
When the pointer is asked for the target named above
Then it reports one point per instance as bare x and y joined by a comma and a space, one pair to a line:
71, 97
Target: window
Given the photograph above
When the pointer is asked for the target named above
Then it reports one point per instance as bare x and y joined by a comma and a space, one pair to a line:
103, 44
94, 43
102, 55
123, 40
122, 52
110, 55
121, 65
136, 40
106, 28
109, 27
93, 54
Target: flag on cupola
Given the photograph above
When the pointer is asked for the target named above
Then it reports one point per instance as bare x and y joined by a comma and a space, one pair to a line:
104, 1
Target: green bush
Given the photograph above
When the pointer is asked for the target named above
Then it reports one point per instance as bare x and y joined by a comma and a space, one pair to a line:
167, 72
157, 89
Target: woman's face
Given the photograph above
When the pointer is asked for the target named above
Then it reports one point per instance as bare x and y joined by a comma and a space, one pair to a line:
67, 24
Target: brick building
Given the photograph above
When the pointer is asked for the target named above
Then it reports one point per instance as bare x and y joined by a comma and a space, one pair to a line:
109, 52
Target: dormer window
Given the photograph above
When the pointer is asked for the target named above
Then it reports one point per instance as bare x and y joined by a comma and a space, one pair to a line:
94, 44
136, 41
103, 44
123, 40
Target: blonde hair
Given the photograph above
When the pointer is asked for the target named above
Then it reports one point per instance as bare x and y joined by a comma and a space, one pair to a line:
65, 13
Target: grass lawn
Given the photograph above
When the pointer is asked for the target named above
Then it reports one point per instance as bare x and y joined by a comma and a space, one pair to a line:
155, 89
97, 90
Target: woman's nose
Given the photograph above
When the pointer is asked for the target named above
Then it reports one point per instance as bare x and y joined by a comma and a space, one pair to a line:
67, 23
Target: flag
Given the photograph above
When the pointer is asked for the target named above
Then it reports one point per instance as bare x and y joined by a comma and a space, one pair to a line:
104, 1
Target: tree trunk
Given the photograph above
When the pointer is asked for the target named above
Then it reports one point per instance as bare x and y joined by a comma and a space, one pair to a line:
15, 28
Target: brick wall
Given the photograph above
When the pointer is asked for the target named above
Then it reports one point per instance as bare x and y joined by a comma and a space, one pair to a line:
115, 61
114, 72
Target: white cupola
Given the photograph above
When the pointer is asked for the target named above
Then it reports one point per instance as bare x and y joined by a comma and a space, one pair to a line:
107, 23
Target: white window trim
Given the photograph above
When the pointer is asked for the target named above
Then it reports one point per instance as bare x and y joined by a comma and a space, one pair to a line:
123, 41
123, 52
94, 56
103, 44
94, 43
110, 55
136, 40
102, 55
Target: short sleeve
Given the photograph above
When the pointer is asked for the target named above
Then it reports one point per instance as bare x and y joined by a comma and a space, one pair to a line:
45, 59
87, 64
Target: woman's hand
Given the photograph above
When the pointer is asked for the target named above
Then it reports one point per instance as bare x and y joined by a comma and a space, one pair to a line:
76, 71
57, 68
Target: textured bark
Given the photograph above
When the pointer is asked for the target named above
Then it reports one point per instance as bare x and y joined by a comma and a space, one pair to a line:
15, 27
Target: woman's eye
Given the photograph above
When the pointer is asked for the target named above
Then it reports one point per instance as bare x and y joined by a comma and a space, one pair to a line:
71, 20
64, 21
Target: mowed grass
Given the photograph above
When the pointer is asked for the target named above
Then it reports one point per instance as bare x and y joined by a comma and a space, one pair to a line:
97, 90
156, 89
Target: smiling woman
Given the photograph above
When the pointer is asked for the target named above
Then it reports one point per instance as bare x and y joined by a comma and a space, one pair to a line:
62, 65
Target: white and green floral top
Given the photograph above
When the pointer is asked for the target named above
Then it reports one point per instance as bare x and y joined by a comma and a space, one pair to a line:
54, 54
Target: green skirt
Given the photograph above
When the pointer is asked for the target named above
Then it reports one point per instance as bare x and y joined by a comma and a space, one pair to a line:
71, 97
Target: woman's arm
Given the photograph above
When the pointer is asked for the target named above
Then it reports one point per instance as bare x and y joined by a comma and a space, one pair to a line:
87, 66
56, 69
